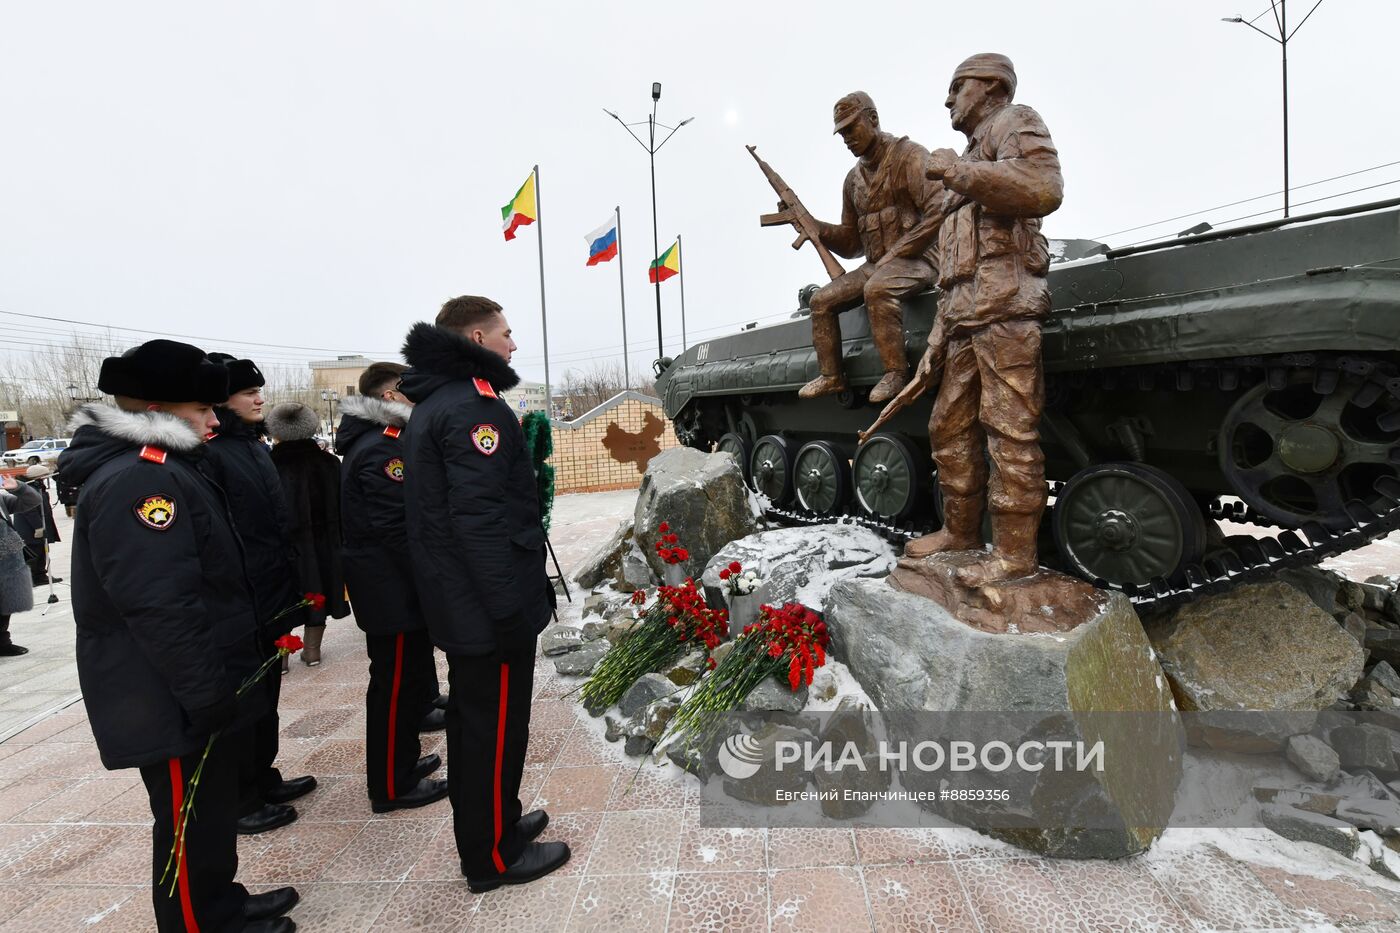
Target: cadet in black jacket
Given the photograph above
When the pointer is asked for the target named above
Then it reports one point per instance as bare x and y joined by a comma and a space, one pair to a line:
239, 461
165, 625
478, 556
379, 573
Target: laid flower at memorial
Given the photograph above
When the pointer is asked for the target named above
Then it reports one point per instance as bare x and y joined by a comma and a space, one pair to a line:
788, 642
286, 645
737, 581
675, 623
668, 546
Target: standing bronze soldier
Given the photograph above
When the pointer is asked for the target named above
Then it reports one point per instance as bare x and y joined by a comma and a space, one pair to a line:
993, 262
883, 201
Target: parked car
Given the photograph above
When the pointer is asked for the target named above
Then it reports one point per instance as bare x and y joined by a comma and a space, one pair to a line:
44, 451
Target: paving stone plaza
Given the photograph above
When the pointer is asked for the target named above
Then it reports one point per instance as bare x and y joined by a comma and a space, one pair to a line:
75, 842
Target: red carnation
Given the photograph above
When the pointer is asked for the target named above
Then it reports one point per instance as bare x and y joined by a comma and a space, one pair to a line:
724, 573
316, 600
290, 643
734, 566
672, 539
664, 528
681, 554
639, 597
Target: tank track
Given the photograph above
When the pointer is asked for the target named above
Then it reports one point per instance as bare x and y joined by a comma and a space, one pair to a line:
1227, 567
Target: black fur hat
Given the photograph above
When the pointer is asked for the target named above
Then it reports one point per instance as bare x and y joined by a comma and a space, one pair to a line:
242, 374
165, 371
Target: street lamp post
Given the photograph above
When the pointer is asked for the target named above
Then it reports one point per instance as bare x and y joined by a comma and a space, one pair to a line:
1280, 11
652, 147
330, 397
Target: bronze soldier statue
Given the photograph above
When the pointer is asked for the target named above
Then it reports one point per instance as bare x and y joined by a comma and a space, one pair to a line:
993, 261
884, 200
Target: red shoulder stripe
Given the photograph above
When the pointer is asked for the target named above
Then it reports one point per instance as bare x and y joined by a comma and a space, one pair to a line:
484, 388
392, 431
153, 454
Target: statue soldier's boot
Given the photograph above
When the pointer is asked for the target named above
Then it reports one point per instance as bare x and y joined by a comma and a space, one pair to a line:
888, 330
961, 531
826, 340
1013, 551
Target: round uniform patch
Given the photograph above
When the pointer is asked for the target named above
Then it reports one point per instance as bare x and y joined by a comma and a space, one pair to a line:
394, 469
156, 512
486, 438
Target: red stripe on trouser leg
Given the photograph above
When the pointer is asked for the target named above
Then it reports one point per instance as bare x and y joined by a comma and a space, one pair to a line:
394, 708
500, 755
177, 802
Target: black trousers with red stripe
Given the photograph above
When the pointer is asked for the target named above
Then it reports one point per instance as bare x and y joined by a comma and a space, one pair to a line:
206, 897
261, 741
488, 726
400, 666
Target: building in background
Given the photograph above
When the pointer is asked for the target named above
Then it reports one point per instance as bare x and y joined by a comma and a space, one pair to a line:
524, 398
341, 375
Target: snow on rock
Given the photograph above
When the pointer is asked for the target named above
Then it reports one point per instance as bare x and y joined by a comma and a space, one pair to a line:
803, 564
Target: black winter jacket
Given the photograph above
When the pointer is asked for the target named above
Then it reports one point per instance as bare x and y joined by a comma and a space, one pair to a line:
311, 488
239, 462
378, 567
477, 544
163, 608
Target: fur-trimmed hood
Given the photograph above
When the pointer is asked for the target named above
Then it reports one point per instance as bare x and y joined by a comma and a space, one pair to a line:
292, 421
101, 432
438, 356
362, 416
377, 410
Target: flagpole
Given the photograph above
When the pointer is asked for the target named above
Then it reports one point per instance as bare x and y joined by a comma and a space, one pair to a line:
544, 318
680, 261
622, 295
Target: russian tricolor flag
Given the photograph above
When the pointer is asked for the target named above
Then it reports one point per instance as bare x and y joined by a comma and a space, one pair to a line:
602, 243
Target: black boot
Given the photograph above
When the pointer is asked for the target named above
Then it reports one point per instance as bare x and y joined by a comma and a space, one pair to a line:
424, 767
289, 790
532, 824
428, 790
538, 860
270, 904
268, 817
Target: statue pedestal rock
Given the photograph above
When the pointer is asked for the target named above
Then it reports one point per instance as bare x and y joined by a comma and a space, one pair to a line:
1084, 671
1040, 603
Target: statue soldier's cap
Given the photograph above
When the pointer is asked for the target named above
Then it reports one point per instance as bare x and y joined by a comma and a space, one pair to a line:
850, 107
242, 374
990, 66
165, 371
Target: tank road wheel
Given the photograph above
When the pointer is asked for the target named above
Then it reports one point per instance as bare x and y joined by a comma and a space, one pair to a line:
1127, 523
821, 475
888, 477
735, 444
770, 468
688, 427
1296, 455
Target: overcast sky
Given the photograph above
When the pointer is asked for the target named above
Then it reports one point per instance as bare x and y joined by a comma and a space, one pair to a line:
319, 175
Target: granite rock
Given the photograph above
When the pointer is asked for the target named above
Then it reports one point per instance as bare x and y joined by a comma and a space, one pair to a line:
703, 500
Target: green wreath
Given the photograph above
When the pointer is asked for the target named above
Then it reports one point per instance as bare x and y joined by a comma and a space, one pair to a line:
539, 440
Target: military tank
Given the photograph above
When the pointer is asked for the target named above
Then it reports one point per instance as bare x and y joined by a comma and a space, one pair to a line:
1244, 377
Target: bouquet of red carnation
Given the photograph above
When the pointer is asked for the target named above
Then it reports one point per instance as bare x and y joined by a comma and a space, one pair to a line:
668, 547
789, 642
287, 644
675, 621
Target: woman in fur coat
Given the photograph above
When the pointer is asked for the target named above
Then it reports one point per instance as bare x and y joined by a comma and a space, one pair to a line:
311, 485
16, 588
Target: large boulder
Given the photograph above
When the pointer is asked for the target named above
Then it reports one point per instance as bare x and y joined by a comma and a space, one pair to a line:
605, 561
1262, 647
802, 564
1095, 681
702, 497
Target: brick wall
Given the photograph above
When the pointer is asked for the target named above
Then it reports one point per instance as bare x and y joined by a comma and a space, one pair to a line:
609, 447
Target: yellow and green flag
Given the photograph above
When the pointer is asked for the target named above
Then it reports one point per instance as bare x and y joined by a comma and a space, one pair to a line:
521, 210
665, 265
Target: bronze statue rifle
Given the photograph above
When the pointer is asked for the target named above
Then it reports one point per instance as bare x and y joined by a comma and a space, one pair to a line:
791, 211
